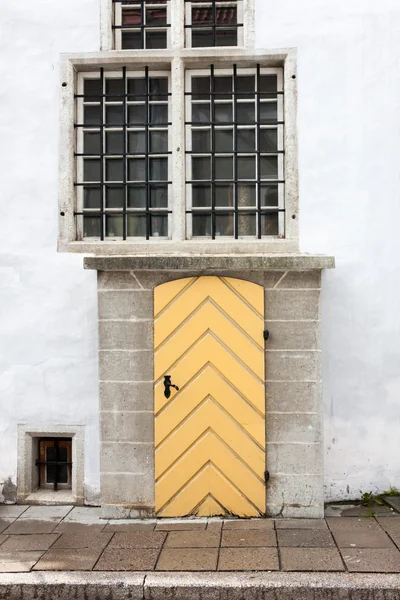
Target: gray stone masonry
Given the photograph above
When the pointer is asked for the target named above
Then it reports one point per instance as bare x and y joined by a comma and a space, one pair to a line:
293, 386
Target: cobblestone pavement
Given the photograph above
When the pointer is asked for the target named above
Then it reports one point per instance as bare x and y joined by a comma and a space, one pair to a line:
66, 538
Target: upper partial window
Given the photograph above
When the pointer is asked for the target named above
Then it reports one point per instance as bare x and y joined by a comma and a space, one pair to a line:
213, 23
141, 24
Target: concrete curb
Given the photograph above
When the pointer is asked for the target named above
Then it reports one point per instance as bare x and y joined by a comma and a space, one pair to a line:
199, 586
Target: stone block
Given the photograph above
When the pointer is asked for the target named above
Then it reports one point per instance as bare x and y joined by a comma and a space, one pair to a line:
301, 280
188, 559
150, 279
127, 427
123, 457
293, 335
126, 305
298, 365
134, 560
127, 488
311, 559
293, 396
120, 396
292, 428
295, 458
126, 335
117, 280
248, 559
299, 492
132, 365
292, 305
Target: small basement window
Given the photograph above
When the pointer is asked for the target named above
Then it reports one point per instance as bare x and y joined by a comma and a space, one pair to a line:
55, 463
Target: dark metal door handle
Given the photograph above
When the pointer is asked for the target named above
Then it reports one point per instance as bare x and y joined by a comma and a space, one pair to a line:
168, 385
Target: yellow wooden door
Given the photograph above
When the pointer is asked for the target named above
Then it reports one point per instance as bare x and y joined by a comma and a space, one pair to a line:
209, 435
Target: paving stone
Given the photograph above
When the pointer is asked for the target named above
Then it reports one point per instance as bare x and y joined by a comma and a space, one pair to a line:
311, 559
248, 559
367, 511
57, 559
248, 538
181, 526
193, 539
126, 527
18, 562
350, 523
249, 524
393, 501
46, 513
118, 559
77, 539
377, 560
356, 538
25, 543
138, 539
11, 510
396, 538
188, 559
305, 538
66, 526
300, 524
24, 526
214, 526
85, 514
4, 523
390, 524
3, 538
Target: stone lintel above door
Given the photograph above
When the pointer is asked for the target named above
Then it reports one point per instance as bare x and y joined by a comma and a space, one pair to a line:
294, 430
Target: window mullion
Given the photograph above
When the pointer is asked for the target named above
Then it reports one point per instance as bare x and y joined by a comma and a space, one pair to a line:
178, 149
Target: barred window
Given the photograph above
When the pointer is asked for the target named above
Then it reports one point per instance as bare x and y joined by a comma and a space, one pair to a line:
214, 23
235, 156
141, 24
123, 165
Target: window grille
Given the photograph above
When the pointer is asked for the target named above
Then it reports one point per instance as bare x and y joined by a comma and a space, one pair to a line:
234, 165
214, 23
141, 24
123, 166
54, 463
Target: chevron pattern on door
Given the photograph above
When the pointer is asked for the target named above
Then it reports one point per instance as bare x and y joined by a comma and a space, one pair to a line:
210, 435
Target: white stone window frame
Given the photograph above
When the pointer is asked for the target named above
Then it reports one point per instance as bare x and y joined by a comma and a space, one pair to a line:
176, 36
27, 470
177, 63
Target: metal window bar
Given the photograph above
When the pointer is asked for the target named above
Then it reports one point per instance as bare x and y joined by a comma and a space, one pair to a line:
216, 24
259, 210
103, 127
142, 26
56, 462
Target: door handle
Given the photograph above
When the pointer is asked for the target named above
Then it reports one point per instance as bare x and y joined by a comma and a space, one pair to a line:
168, 385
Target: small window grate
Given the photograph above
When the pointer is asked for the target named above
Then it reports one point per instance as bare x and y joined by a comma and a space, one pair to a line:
141, 24
54, 463
212, 23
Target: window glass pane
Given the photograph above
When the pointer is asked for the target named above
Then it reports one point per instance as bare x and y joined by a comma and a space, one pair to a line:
114, 115
136, 169
200, 88
131, 40
201, 196
203, 15
268, 140
247, 225
223, 113
201, 141
136, 114
269, 224
137, 196
224, 140
246, 195
114, 169
158, 169
136, 142
269, 195
92, 115
200, 113
114, 226
223, 88
158, 114
91, 143
246, 139
202, 38
91, 197
226, 15
223, 167
224, 225
114, 89
158, 225
91, 226
269, 167
246, 113
156, 16
92, 90
114, 196
201, 168
224, 195
246, 167
132, 16
114, 142
201, 225
91, 170
136, 226
246, 86
158, 141
137, 89
156, 39
226, 37
268, 112
158, 88
268, 85
159, 196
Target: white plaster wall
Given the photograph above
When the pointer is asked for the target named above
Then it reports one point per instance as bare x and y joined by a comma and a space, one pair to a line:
48, 360
349, 149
